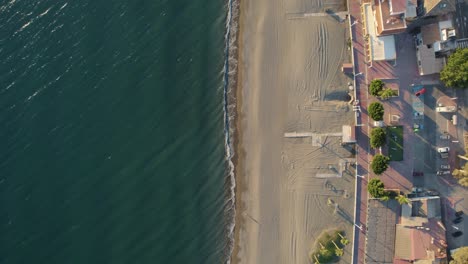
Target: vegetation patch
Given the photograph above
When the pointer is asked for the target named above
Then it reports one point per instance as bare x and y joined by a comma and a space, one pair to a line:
395, 143
376, 189
461, 175
387, 93
376, 87
376, 111
329, 247
378, 137
455, 72
379, 164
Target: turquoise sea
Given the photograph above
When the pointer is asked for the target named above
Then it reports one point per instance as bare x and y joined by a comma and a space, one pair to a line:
112, 132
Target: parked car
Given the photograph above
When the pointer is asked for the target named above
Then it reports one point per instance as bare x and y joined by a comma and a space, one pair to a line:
459, 213
457, 234
420, 92
432, 193
457, 220
445, 166
443, 152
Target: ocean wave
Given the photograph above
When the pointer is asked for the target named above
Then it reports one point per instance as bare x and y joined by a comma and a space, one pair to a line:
230, 75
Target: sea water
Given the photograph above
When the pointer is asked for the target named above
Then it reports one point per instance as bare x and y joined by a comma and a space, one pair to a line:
114, 135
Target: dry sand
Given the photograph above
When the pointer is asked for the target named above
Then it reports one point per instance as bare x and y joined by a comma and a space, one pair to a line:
290, 81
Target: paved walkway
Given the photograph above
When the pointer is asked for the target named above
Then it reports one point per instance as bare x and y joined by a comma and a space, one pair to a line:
399, 175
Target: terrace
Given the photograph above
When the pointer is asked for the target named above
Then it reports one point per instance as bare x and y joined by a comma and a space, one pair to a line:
388, 23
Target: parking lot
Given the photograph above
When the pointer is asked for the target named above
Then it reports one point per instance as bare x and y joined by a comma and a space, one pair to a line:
440, 132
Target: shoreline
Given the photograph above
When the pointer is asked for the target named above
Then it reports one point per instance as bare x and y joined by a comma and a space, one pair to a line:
238, 149
235, 99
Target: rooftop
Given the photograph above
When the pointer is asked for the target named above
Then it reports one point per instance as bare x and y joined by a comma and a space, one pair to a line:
386, 22
427, 61
397, 6
420, 236
349, 134
425, 242
411, 6
438, 7
382, 217
381, 47
430, 33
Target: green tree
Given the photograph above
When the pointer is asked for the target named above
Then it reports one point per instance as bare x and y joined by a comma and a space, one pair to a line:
376, 87
376, 111
460, 256
376, 188
402, 199
379, 164
455, 73
387, 93
377, 137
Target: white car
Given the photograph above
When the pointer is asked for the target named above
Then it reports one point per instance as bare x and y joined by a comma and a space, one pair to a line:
443, 150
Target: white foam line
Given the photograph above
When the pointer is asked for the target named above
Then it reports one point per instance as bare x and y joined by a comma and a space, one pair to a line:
229, 73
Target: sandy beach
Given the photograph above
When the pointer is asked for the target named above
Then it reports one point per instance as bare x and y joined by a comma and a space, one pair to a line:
290, 80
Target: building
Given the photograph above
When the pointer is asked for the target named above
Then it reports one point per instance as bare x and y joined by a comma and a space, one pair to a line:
436, 7
435, 41
390, 16
378, 48
349, 134
408, 233
420, 235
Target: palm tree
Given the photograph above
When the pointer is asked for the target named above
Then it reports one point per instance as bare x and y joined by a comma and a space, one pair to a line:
343, 240
338, 251
316, 260
387, 93
385, 198
403, 199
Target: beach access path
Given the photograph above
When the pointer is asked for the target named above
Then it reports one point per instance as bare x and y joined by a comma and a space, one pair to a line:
402, 73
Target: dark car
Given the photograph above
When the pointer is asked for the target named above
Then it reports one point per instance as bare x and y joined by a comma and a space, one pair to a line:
457, 234
432, 193
457, 220
420, 92
459, 213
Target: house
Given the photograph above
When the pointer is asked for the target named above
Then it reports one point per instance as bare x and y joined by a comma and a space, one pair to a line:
435, 41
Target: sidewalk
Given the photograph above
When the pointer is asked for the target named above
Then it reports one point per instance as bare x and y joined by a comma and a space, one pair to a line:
399, 175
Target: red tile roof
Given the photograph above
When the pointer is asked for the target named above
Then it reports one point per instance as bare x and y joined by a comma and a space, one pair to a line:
397, 6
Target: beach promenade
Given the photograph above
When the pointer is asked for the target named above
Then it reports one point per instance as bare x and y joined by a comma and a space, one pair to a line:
399, 73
